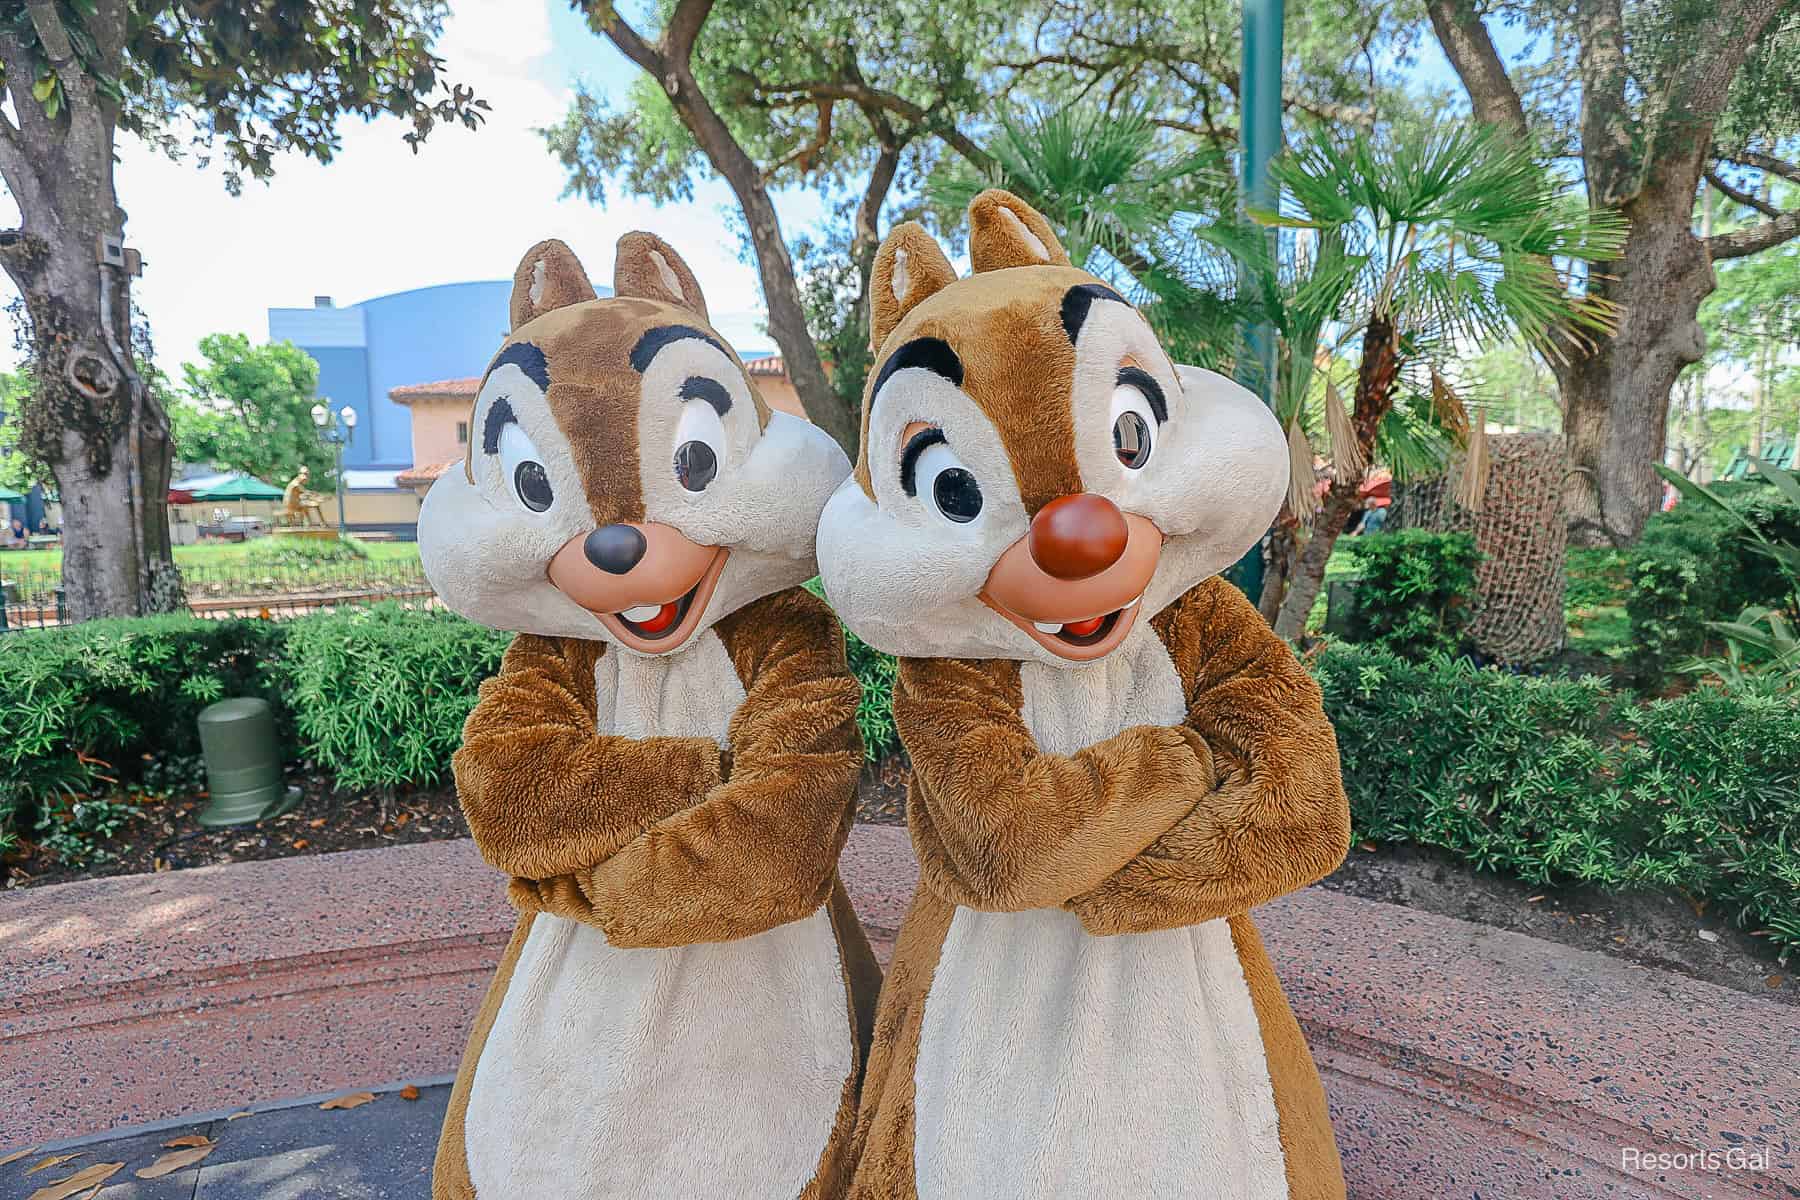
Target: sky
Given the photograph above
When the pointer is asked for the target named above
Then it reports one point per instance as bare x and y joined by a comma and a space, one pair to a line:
379, 219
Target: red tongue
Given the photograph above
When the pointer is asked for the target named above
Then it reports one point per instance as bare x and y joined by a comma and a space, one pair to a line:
1082, 628
664, 618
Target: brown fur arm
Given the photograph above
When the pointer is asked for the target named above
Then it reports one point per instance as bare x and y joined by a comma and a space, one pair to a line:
543, 792
1278, 819
761, 850
1000, 825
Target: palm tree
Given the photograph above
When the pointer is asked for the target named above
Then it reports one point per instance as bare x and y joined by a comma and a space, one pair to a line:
1450, 241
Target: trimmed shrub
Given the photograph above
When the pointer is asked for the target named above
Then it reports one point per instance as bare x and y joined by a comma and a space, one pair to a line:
1562, 781
1413, 588
276, 551
81, 706
379, 694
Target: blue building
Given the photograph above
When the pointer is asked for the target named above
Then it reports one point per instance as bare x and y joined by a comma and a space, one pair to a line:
365, 350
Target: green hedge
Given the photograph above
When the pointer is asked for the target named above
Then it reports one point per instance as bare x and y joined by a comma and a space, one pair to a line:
1562, 781
1412, 589
374, 696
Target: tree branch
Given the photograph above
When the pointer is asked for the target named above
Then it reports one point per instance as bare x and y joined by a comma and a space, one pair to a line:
807, 153
1763, 162
630, 43
1744, 198
684, 28
1757, 238
1471, 52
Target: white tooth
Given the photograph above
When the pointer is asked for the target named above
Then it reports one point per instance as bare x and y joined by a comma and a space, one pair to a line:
1047, 626
642, 613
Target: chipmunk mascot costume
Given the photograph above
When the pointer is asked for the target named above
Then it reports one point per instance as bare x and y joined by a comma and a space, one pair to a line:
665, 764
1114, 759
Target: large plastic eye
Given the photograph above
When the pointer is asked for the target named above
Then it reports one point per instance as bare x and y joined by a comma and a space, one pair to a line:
519, 460
1133, 427
699, 445
953, 489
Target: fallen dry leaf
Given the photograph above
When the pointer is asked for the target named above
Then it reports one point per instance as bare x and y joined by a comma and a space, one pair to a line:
175, 1160
316, 823
16, 1155
1706, 935
300, 843
87, 1177
409, 1092
353, 1100
188, 1139
1533, 899
234, 1116
1773, 981
1366, 847
53, 1160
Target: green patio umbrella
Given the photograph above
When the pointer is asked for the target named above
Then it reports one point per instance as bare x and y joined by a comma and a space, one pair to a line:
237, 487
8, 496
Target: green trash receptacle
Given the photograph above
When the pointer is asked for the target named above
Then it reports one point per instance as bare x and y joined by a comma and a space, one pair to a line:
243, 763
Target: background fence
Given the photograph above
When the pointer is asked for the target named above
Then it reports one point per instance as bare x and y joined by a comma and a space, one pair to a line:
31, 599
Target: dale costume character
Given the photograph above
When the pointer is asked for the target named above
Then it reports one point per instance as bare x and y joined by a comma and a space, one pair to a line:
665, 764
1114, 758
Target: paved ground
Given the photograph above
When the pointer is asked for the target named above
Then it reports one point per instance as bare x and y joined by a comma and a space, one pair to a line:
379, 1151
1460, 1061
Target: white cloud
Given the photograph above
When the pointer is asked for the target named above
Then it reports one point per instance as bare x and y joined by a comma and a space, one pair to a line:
380, 219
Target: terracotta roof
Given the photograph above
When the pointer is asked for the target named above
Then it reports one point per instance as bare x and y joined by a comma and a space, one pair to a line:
767, 365
442, 389
413, 476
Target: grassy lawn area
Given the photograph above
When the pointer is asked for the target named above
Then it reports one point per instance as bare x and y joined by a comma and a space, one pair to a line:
216, 554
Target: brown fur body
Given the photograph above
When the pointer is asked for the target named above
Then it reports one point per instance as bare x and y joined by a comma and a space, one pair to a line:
687, 999
1078, 1003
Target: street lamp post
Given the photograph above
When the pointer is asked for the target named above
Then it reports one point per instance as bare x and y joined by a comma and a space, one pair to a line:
336, 429
1258, 140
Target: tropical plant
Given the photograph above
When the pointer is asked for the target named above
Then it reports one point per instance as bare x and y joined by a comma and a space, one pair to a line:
1457, 237
1764, 639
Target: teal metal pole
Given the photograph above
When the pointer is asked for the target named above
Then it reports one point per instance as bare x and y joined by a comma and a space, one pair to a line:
1259, 138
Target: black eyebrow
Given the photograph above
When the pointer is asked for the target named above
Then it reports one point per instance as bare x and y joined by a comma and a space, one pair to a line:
933, 354
655, 339
909, 457
528, 358
1076, 302
1141, 380
500, 415
699, 387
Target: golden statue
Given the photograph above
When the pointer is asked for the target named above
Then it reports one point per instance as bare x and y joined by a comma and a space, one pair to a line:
300, 507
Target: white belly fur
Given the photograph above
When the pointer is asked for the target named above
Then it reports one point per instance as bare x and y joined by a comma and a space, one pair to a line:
1055, 1065
708, 1070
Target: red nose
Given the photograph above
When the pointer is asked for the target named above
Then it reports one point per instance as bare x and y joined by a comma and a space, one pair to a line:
1073, 537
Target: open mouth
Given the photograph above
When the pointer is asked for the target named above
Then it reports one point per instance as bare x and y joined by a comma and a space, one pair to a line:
653, 622
1090, 632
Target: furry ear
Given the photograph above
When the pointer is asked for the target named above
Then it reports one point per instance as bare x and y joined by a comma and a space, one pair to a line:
1004, 231
909, 267
649, 269
549, 276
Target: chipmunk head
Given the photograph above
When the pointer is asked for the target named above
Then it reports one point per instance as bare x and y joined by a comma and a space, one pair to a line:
625, 481
1035, 475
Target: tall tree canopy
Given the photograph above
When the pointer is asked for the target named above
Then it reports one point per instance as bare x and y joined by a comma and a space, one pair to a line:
875, 97
1652, 99
249, 408
245, 80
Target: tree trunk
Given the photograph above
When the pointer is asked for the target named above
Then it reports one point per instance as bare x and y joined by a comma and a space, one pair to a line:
90, 418
668, 66
1308, 574
1616, 390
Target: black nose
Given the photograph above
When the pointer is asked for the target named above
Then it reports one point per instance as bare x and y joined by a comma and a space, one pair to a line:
615, 549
